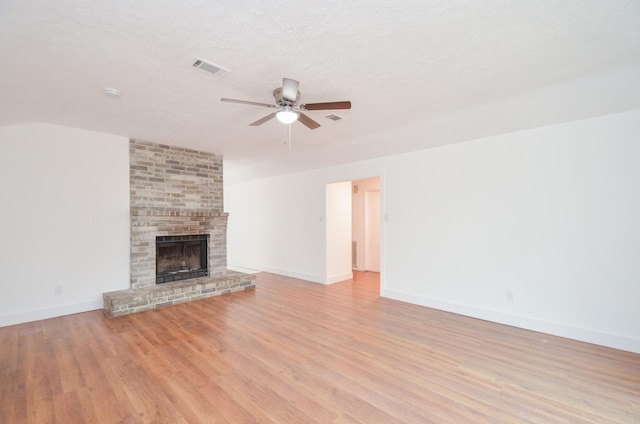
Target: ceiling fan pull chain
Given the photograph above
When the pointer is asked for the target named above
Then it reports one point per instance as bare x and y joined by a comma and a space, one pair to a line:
287, 136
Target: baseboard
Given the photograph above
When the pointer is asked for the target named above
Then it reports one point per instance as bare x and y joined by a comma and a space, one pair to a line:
295, 274
339, 277
279, 271
53, 312
527, 323
243, 269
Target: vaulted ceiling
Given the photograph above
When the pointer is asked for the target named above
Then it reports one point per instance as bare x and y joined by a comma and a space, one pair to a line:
419, 73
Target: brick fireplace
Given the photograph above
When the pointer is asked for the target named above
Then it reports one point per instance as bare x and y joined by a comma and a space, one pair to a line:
177, 193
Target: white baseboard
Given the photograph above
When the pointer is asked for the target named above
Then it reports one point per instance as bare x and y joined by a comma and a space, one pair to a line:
527, 323
243, 269
289, 273
279, 271
55, 311
339, 277
295, 274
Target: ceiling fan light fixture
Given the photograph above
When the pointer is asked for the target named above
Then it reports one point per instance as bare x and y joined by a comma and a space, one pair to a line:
287, 115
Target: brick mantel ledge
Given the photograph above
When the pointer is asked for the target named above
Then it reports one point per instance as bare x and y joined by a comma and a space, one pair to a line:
163, 212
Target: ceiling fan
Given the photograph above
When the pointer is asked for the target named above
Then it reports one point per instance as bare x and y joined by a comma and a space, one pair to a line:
288, 109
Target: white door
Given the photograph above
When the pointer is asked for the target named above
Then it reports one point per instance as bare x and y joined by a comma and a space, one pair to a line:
372, 231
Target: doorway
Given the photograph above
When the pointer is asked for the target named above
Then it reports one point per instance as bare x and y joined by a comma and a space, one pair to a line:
353, 230
366, 224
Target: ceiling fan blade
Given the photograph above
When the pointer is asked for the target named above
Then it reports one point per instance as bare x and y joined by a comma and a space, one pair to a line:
305, 120
263, 120
290, 89
244, 102
326, 106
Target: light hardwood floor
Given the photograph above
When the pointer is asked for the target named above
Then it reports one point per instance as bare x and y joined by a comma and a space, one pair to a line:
298, 352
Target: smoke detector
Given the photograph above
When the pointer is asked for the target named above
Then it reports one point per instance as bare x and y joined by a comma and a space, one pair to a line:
112, 92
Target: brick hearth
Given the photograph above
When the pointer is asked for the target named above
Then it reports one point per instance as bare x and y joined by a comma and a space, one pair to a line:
137, 300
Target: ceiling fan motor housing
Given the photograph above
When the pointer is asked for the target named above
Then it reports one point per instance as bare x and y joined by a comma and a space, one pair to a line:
281, 101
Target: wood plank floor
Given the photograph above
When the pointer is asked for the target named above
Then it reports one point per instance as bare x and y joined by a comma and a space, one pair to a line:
298, 352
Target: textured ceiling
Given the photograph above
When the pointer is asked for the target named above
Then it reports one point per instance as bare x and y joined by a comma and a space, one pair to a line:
447, 70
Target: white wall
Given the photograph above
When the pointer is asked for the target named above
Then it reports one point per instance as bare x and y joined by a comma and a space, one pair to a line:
372, 230
64, 220
338, 232
549, 215
280, 227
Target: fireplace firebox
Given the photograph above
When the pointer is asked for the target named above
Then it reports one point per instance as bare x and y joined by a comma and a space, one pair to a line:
181, 257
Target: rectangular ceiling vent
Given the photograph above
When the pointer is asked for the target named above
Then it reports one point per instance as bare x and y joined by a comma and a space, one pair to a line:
209, 67
334, 117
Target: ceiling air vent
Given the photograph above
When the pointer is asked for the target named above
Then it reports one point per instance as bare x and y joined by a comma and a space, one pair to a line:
334, 117
209, 67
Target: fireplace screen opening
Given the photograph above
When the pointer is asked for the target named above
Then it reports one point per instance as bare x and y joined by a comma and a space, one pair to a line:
181, 257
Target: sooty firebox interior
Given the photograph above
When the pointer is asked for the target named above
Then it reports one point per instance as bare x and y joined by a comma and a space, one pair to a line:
181, 257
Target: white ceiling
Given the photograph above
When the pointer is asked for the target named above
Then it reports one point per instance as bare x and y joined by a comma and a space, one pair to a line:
446, 70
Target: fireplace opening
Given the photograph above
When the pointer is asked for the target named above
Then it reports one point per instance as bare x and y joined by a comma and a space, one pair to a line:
181, 257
